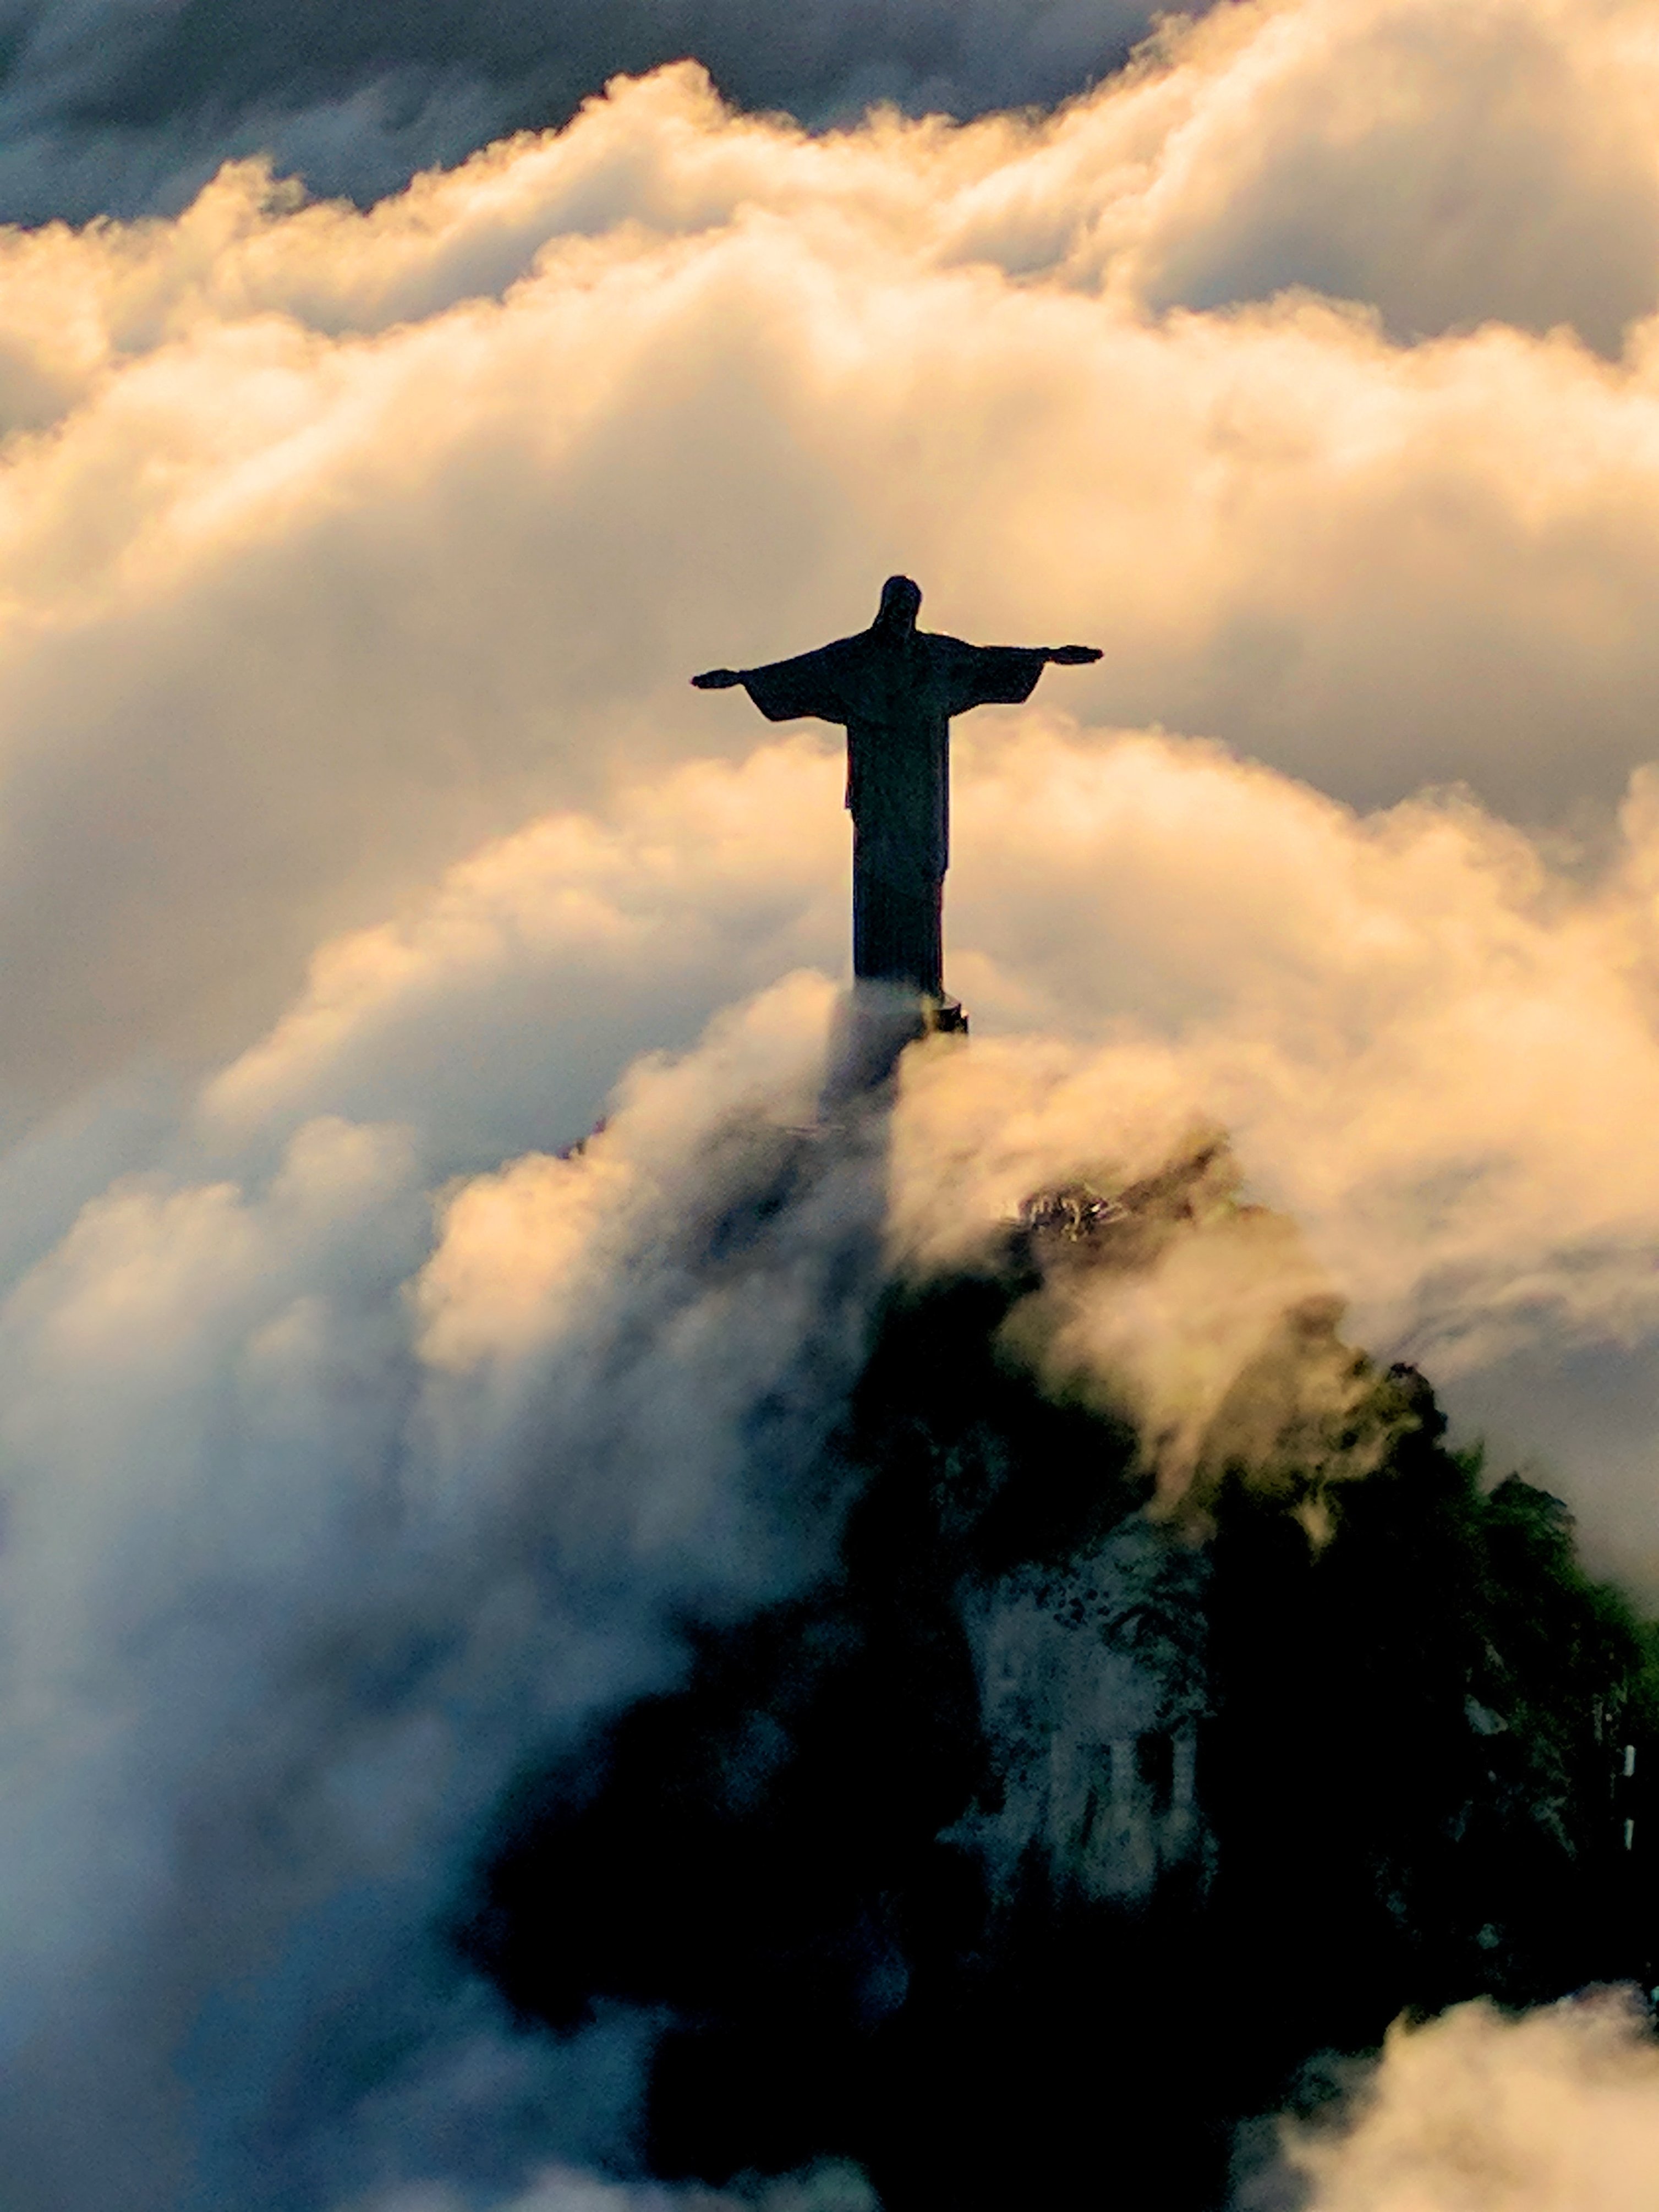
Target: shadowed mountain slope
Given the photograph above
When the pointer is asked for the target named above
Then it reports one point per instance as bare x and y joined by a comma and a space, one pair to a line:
1053, 1838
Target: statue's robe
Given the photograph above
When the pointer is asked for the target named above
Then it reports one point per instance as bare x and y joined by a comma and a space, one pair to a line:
895, 697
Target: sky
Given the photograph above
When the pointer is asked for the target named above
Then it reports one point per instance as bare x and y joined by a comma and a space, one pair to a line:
128, 106
361, 842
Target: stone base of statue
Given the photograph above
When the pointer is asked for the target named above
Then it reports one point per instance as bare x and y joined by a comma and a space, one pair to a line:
873, 1024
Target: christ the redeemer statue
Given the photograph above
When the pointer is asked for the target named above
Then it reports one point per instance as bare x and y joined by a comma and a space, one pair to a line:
894, 687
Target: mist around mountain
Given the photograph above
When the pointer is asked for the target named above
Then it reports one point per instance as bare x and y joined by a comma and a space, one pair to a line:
386, 1490
1055, 1838
843, 1660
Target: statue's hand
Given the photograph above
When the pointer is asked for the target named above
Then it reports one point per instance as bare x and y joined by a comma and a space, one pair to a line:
717, 679
1074, 656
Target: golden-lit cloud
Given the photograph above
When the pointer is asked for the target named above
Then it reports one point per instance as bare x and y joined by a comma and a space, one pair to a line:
1550, 2112
333, 543
361, 839
1432, 1049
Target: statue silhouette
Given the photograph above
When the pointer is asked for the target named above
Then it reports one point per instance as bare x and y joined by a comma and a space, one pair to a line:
894, 689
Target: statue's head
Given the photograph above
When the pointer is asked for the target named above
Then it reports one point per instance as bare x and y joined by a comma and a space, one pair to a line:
900, 602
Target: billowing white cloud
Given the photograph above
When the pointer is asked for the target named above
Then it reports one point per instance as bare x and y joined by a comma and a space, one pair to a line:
1556, 2111
322, 1519
358, 830
497, 1012
332, 543
1432, 1050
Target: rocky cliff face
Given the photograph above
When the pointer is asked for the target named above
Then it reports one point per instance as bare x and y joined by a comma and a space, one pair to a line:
1125, 1765
1091, 1695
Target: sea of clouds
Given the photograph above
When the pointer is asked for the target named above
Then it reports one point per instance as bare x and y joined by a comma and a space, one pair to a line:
361, 842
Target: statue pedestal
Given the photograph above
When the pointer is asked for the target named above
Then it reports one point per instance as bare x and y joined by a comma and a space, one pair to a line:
873, 1024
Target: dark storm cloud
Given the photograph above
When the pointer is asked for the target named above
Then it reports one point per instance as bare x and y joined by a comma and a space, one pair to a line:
121, 106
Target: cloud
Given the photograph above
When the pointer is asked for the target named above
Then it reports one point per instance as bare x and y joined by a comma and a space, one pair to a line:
331, 1511
1447, 167
1431, 1050
108, 108
1554, 2110
334, 543
320, 1523
500, 1008
358, 829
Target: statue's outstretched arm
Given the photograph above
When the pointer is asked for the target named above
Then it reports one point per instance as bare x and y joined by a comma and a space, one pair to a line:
789, 690
1000, 675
